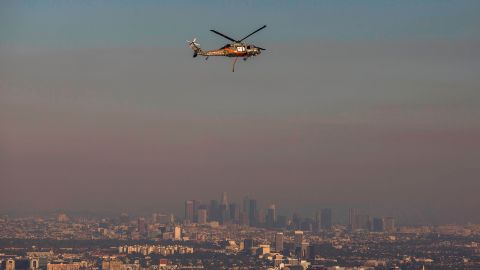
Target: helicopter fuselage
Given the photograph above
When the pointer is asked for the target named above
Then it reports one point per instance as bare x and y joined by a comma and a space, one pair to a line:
233, 50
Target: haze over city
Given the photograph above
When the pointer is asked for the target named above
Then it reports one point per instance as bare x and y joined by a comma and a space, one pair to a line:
370, 104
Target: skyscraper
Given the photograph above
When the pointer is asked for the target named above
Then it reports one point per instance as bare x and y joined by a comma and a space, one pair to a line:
363, 222
271, 216
248, 244
279, 242
213, 212
352, 219
196, 205
177, 233
298, 238
223, 210
326, 218
252, 212
141, 226
378, 225
389, 224
154, 217
224, 198
224, 214
189, 211
307, 224
316, 223
245, 205
202, 216
296, 221
304, 250
234, 213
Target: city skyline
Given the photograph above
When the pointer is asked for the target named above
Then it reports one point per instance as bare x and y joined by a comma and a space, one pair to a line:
339, 214
246, 212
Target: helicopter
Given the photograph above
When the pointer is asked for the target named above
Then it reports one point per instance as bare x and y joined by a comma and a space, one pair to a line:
236, 49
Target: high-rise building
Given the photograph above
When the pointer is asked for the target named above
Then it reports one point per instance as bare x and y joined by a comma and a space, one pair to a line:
141, 226
307, 224
223, 213
271, 218
252, 212
154, 218
196, 206
213, 211
177, 233
248, 244
304, 250
296, 221
352, 219
389, 224
202, 216
363, 222
224, 198
246, 205
279, 242
377, 225
298, 238
234, 213
326, 218
317, 223
189, 211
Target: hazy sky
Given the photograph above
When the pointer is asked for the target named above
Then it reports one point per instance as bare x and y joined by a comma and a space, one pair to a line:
373, 104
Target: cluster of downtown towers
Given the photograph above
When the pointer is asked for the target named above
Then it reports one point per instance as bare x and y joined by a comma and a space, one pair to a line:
249, 214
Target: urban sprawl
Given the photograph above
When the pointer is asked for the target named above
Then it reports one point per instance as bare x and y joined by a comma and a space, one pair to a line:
224, 235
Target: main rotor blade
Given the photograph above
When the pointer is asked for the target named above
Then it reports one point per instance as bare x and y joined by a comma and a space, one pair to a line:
225, 36
252, 33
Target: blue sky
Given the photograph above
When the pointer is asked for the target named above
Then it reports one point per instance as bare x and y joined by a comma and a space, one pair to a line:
168, 23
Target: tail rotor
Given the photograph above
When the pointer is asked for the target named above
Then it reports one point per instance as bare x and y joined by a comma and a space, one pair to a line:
195, 47
193, 42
